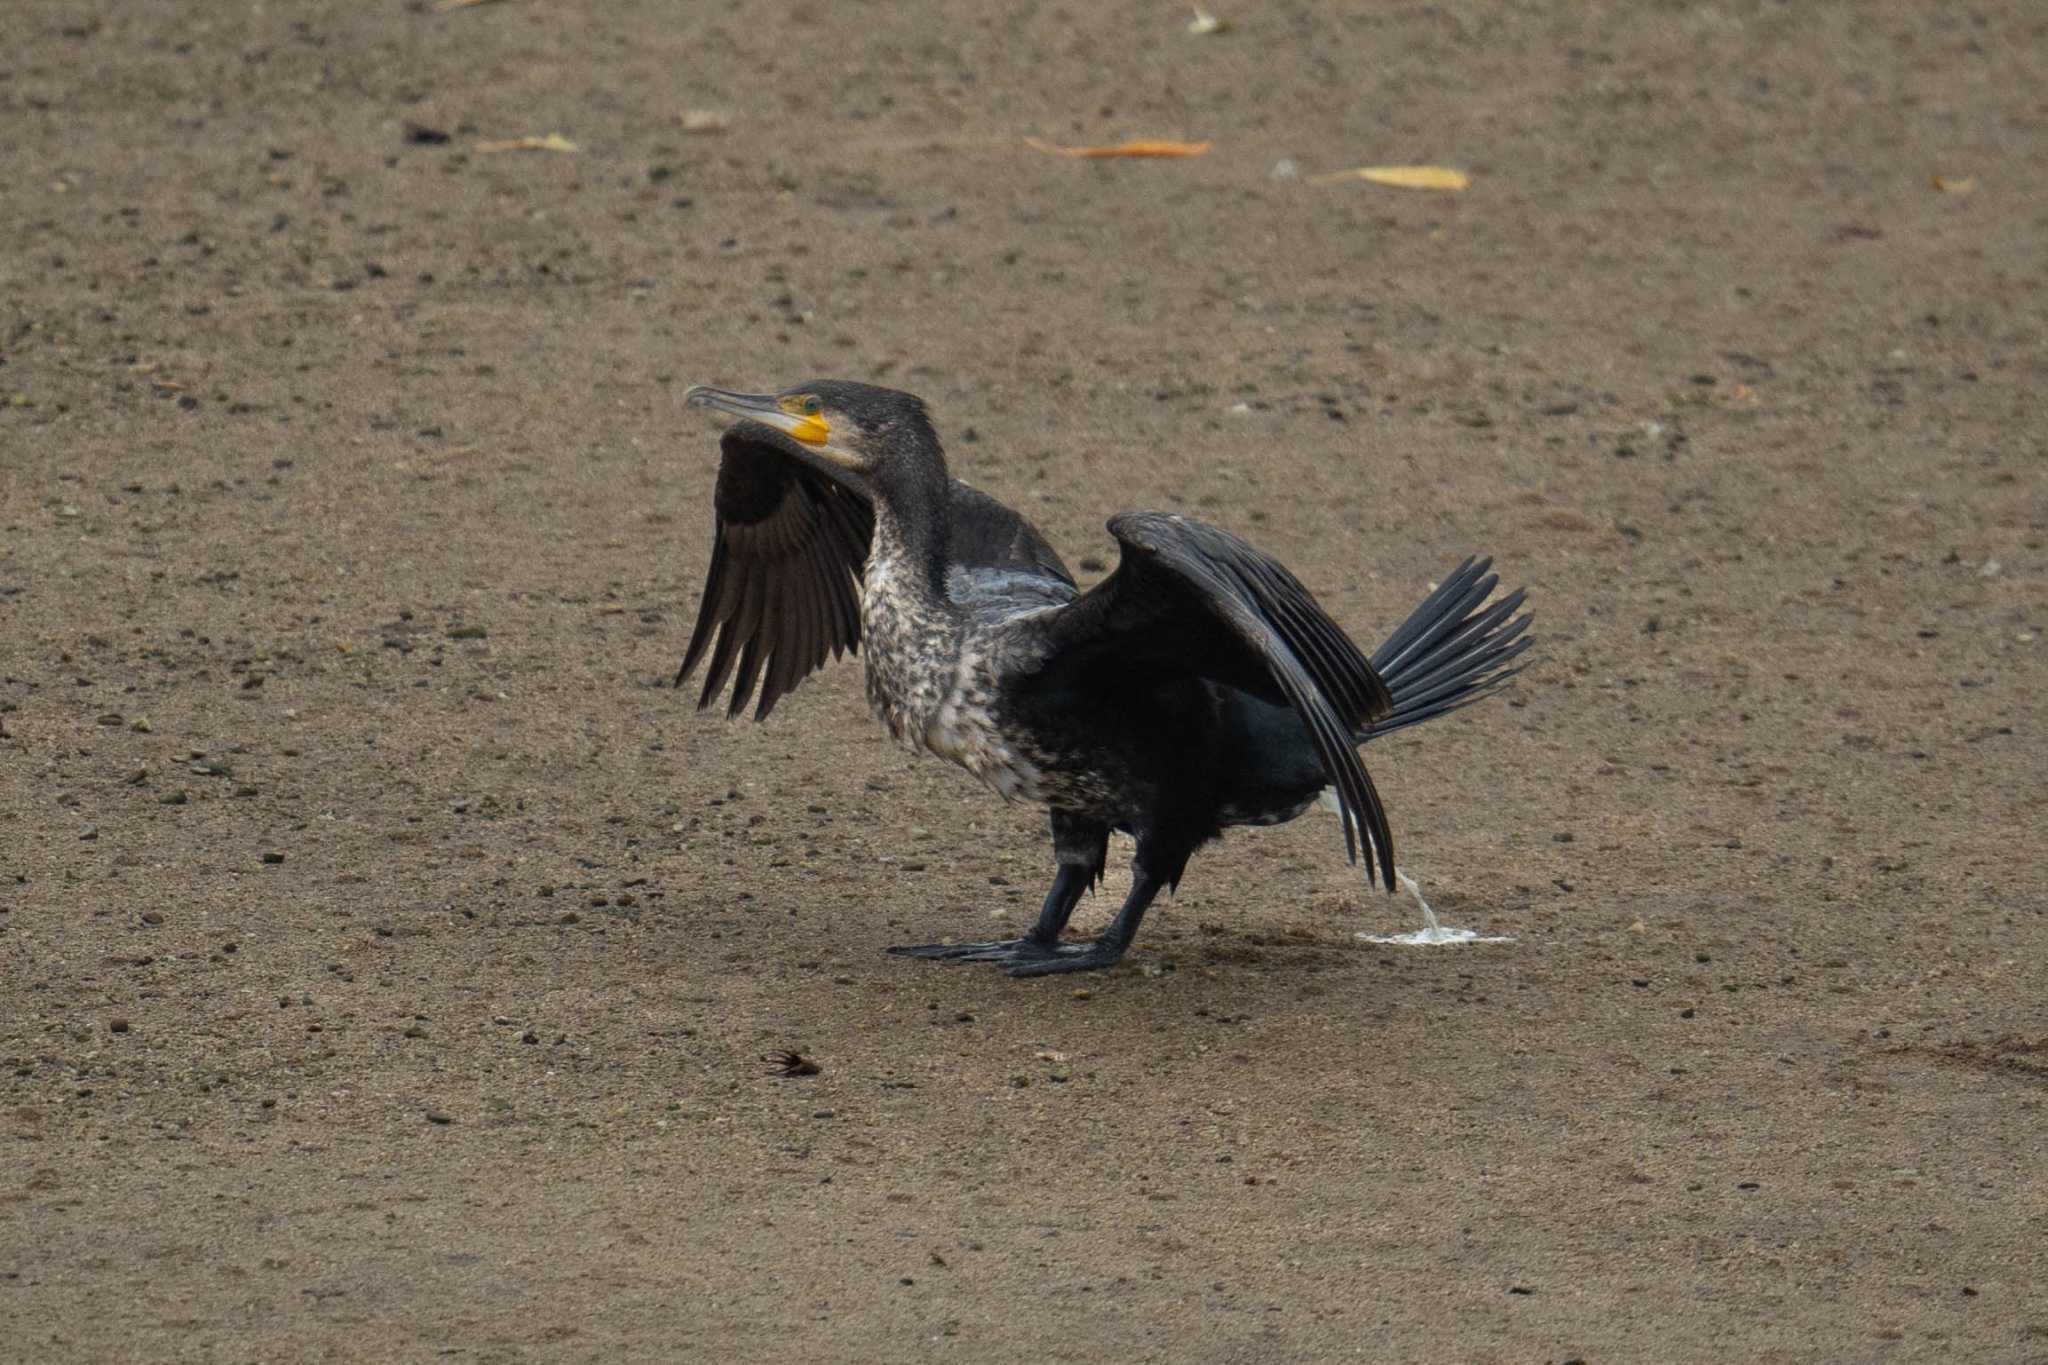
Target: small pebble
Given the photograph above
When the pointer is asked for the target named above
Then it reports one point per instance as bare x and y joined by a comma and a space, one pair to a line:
438, 1116
118, 1025
273, 859
152, 917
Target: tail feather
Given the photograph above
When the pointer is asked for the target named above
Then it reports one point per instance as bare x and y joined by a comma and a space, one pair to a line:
1452, 650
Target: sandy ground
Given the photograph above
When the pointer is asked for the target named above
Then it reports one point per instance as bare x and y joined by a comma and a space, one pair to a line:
387, 953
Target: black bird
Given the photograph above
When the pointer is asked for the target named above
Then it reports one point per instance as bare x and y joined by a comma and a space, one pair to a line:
1198, 687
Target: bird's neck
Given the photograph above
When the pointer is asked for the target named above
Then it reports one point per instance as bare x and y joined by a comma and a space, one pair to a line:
913, 531
910, 627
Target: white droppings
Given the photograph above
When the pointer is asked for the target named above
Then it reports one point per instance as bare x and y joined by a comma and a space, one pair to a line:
1431, 934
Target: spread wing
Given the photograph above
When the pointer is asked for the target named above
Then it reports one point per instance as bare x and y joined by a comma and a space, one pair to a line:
1190, 599
788, 548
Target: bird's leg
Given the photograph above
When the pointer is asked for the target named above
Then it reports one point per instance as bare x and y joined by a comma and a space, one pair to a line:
1107, 949
1082, 848
1156, 868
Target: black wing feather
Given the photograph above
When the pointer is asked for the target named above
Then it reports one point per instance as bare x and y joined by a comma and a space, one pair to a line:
787, 550
1195, 599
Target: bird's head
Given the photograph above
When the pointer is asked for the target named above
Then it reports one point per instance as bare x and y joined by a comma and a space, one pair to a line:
874, 439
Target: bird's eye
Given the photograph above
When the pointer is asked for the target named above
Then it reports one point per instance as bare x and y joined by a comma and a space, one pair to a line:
811, 405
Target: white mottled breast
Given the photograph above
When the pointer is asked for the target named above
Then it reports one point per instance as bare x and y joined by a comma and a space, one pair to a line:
934, 695
965, 731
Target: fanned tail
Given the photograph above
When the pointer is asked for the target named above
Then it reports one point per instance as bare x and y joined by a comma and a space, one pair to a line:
1452, 650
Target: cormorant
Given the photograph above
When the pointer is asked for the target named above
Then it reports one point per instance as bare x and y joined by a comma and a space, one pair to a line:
1197, 687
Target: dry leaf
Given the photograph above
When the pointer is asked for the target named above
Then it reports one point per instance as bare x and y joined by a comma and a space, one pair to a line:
553, 142
1961, 185
1403, 177
1050, 1056
1205, 23
1135, 147
449, 6
706, 120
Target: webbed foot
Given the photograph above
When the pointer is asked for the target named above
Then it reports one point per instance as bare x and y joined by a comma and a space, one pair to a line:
1070, 957
1023, 956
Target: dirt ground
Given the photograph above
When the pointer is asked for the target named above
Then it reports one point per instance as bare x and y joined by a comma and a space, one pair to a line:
387, 953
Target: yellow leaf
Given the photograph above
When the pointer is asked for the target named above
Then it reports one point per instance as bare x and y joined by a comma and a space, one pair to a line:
553, 142
1960, 185
1135, 147
1402, 177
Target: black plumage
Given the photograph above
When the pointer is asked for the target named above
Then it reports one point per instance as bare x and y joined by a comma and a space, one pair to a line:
780, 591
1198, 687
